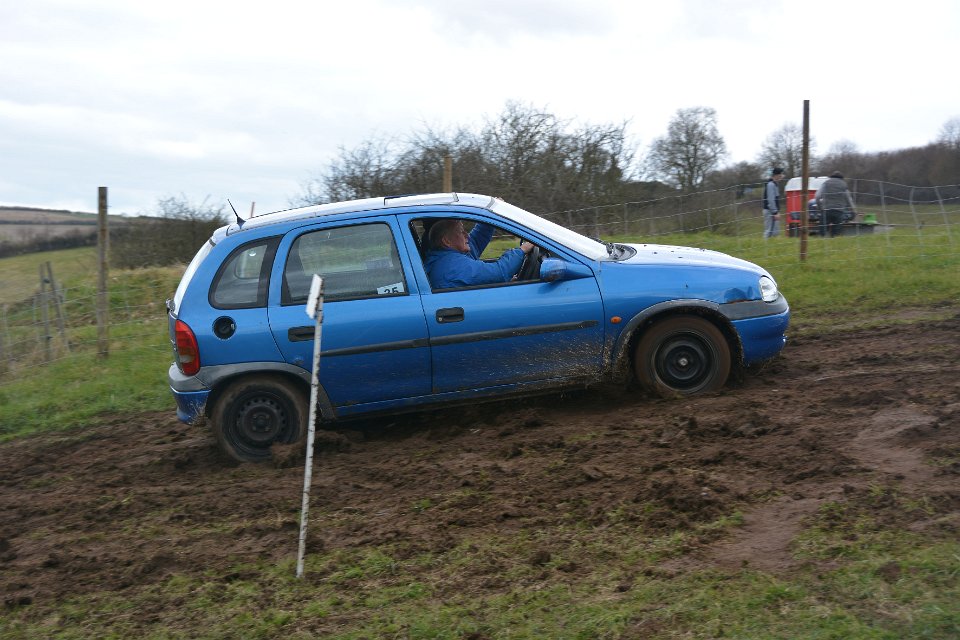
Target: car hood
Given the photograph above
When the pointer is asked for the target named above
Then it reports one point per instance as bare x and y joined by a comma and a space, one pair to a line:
669, 255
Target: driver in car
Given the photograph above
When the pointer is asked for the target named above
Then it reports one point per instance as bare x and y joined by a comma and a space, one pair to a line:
453, 259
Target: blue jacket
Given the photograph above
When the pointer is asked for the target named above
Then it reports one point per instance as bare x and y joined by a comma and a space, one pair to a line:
449, 268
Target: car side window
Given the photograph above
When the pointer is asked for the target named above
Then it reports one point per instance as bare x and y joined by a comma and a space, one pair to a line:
359, 261
243, 279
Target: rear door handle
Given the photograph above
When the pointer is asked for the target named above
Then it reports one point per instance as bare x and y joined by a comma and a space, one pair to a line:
451, 314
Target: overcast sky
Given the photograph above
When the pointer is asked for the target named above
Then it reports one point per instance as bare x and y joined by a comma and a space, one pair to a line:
247, 100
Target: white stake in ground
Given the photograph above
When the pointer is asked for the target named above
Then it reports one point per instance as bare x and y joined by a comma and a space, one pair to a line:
315, 311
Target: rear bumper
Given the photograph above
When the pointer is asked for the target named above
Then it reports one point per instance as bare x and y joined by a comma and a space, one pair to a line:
190, 394
190, 405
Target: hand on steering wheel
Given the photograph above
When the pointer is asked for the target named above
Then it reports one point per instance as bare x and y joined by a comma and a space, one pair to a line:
530, 269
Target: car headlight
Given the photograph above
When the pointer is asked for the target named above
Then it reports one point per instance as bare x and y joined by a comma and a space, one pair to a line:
768, 289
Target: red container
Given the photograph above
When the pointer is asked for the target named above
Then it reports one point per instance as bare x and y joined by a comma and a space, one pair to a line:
793, 194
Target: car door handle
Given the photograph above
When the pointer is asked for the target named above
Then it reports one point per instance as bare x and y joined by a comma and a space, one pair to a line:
451, 314
300, 334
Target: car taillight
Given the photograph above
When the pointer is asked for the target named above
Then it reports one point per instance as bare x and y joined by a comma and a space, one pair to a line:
188, 354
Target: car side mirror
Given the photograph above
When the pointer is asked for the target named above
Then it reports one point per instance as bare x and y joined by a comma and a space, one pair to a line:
556, 270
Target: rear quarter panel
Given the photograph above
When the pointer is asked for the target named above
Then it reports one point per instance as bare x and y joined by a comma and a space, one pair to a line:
252, 342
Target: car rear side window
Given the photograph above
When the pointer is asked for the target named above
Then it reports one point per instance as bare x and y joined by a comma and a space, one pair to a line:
244, 278
359, 261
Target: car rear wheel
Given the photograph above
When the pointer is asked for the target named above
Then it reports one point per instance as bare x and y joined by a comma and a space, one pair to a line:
682, 355
257, 412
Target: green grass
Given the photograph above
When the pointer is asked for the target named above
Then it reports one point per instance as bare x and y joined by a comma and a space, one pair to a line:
130, 379
615, 591
21, 275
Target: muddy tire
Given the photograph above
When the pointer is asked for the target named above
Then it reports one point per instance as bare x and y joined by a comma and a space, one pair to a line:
682, 356
254, 413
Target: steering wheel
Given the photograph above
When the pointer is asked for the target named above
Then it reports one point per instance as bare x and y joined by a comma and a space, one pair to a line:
530, 269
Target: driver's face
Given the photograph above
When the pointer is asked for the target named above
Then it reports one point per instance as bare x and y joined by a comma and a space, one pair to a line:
457, 238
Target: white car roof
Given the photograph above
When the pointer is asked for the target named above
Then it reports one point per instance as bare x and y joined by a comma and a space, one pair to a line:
569, 238
365, 204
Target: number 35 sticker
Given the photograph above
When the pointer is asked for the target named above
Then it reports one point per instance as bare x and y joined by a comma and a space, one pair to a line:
390, 288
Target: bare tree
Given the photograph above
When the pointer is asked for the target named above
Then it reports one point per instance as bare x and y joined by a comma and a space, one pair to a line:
169, 234
369, 169
845, 156
525, 155
691, 149
784, 148
740, 178
950, 134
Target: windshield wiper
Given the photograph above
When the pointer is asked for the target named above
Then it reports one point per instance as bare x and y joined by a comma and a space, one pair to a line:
613, 250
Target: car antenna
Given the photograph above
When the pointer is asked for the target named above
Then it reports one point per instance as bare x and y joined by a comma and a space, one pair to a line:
240, 220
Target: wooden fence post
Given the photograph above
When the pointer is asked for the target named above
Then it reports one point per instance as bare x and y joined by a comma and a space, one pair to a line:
45, 316
804, 183
103, 237
58, 308
447, 174
4, 339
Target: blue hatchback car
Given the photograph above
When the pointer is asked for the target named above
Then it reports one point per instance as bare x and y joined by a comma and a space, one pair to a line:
675, 319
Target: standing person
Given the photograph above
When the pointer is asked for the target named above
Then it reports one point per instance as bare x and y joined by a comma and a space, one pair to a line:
833, 199
771, 204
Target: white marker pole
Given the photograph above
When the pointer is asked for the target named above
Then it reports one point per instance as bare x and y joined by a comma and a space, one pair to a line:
315, 311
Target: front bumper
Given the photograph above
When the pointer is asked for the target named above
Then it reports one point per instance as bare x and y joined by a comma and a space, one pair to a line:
762, 337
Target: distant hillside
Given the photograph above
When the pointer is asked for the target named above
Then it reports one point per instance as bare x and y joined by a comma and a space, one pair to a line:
29, 229
31, 215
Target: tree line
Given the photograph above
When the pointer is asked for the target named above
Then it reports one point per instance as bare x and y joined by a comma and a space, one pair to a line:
538, 161
526, 156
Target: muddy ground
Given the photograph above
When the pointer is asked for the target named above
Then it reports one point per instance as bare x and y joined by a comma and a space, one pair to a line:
135, 499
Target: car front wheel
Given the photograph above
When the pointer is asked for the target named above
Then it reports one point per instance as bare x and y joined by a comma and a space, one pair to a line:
682, 355
257, 412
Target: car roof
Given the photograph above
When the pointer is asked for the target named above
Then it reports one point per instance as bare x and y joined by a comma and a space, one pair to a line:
592, 249
365, 204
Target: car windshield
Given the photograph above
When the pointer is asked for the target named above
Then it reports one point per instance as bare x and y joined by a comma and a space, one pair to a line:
588, 247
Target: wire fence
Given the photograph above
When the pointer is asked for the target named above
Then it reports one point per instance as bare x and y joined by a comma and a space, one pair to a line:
43, 320
898, 219
737, 211
55, 323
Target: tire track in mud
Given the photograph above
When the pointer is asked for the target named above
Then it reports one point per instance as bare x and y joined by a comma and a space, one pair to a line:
889, 442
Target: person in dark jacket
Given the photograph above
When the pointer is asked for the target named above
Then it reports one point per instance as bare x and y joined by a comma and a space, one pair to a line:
833, 200
453, 256
771, 204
